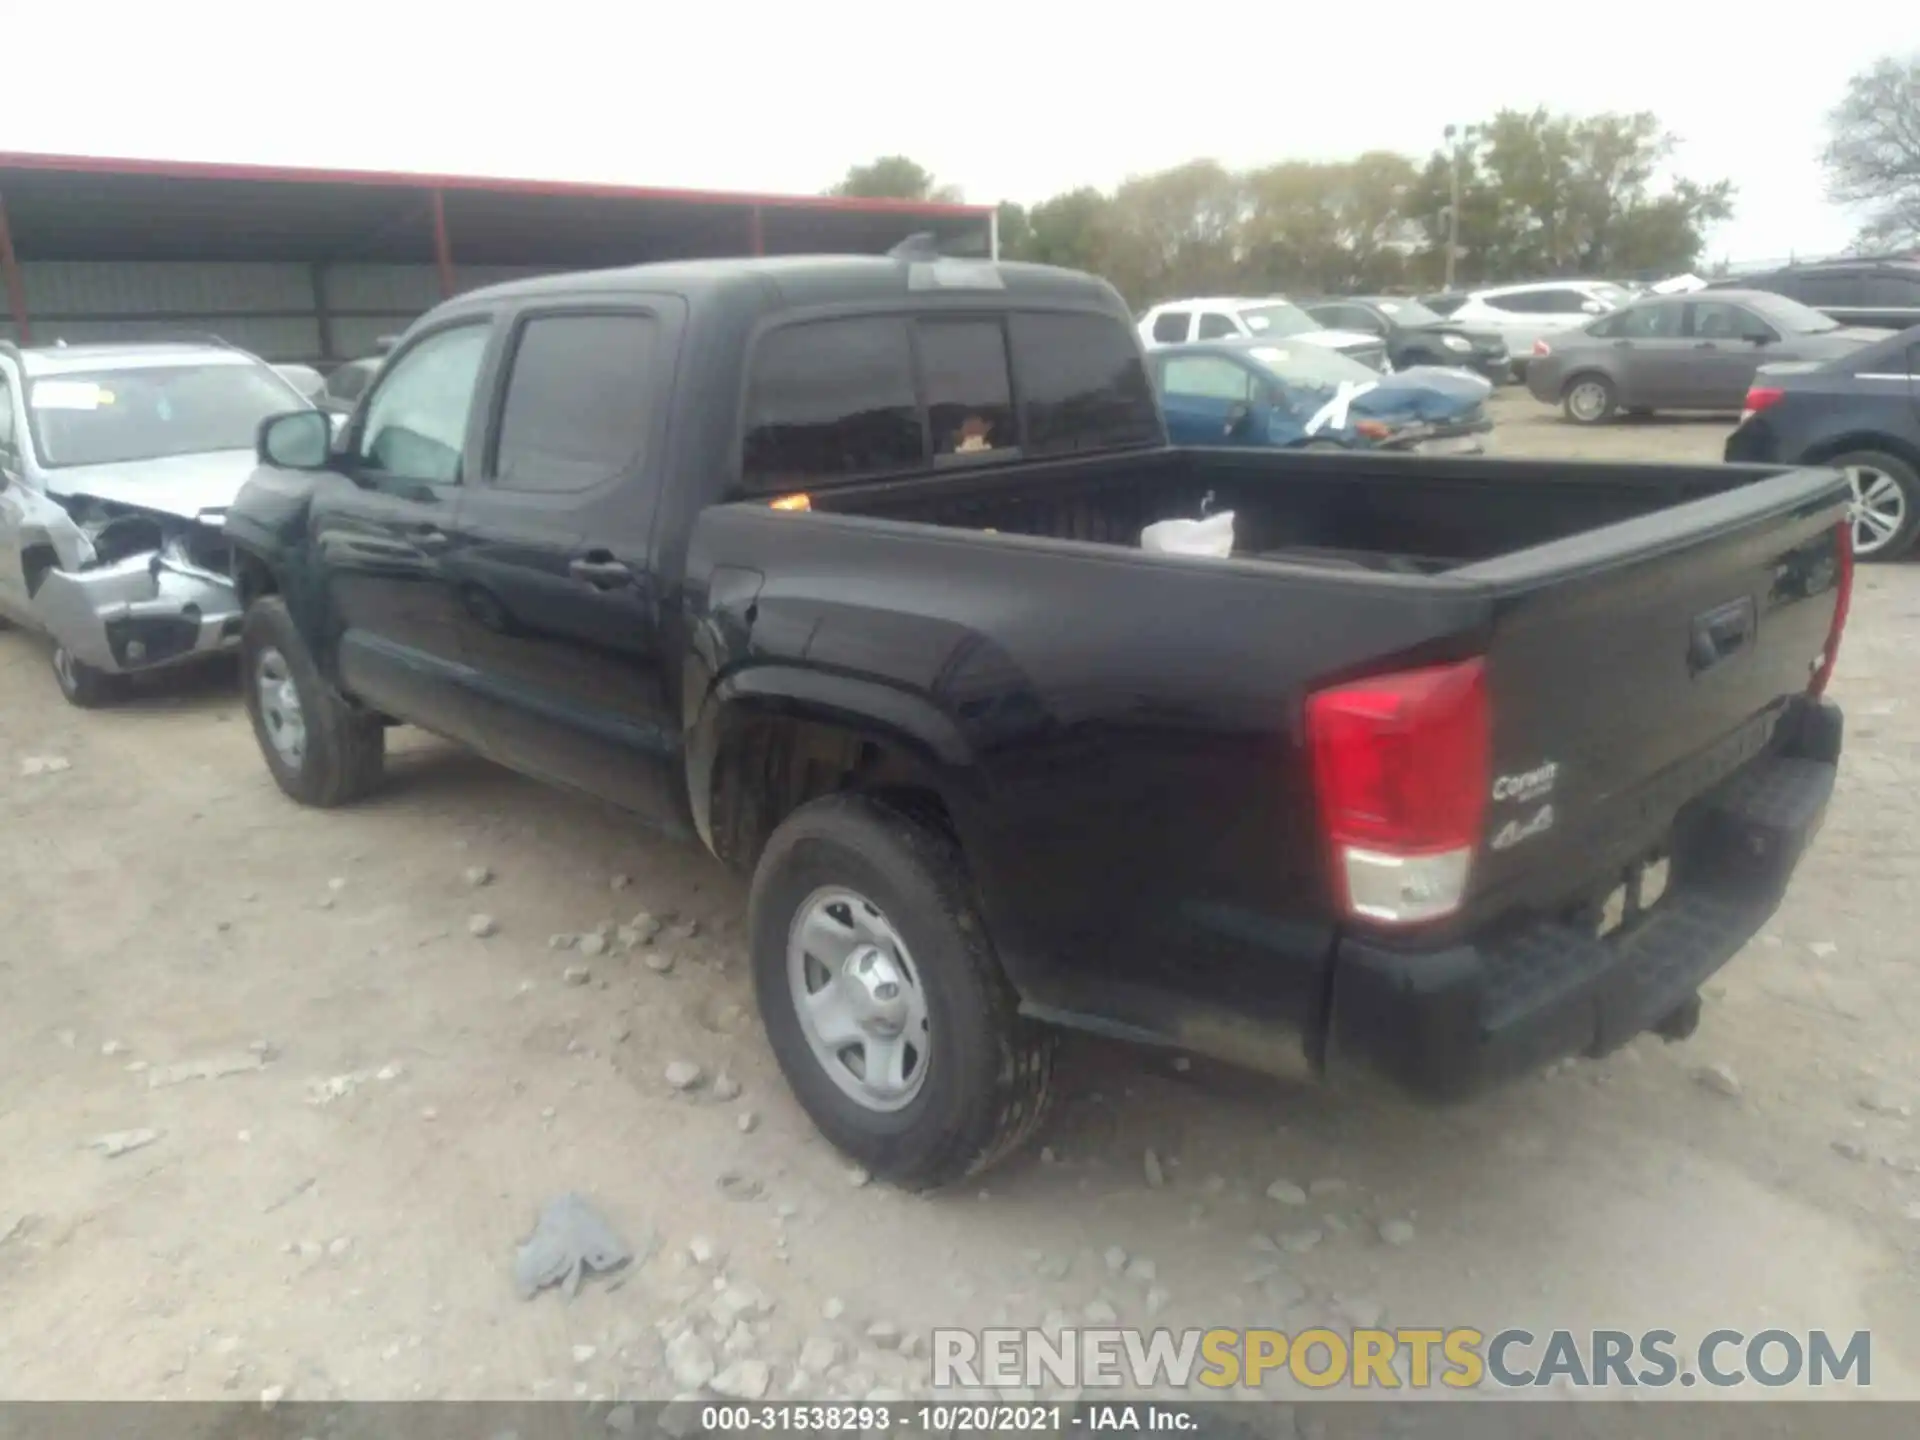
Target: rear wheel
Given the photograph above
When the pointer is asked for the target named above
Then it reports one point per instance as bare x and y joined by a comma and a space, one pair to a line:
1588, 399
883, 1000
320, 750
1886, 503
82, 684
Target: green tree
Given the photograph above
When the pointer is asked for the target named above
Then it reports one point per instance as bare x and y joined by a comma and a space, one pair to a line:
1072, 229
1545, 194
1873, 151
893, 177
1176, 232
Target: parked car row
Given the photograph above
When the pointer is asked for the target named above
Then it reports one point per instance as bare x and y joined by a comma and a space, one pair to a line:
839, 566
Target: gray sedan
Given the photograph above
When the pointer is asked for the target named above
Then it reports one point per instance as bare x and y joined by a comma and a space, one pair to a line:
1681, 352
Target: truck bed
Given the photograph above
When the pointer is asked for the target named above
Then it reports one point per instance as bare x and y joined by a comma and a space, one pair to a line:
1383, 513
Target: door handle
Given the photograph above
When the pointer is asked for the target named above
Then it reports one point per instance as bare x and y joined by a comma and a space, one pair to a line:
602, 574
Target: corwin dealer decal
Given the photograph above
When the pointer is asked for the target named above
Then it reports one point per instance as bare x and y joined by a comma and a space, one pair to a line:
1528, 785
1524, 788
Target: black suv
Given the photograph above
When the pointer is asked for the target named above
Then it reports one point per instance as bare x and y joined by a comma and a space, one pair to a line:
1862, 291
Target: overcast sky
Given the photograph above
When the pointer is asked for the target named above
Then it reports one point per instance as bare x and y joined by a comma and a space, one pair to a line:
1008, 101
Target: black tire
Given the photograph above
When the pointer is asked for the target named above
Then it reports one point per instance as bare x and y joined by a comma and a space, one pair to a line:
1580, 413
989, 1070
1907, 480
345, 749
82, 684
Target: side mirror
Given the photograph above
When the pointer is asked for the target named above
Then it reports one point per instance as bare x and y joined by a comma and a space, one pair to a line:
338, 420
1593, 307
298, 440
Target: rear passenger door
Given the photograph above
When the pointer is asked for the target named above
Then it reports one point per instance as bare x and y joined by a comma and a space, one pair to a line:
1207, 400
553, 568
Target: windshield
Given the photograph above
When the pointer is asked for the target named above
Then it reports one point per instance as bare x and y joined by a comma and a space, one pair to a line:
1277, 318
109, 416
1614, 295
1408, 312
1791, 316
1312, 368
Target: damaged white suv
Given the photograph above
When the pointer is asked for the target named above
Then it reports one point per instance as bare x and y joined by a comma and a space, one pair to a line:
117, 464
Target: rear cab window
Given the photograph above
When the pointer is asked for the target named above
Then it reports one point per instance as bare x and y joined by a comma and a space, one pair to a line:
846, 399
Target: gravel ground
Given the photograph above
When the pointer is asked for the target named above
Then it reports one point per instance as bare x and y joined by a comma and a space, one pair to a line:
342, 1107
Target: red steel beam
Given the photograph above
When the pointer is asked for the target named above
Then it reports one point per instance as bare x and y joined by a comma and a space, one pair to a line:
16, 289
442, 248
203, 170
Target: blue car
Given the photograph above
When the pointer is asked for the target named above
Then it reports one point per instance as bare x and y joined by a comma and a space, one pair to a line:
1272, 393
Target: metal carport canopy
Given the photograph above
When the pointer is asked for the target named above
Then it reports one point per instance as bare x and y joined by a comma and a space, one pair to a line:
68, 209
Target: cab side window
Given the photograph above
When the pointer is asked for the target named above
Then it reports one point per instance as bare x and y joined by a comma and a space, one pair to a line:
579, 393
1170, 327
416, 421
1217, 327
831, 400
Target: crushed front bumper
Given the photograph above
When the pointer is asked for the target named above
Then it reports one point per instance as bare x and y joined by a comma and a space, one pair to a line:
146, 612
1443, 1024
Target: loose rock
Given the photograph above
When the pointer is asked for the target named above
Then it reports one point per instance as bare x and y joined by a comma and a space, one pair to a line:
819, 1354
1100, 1312
1851, 1150
683, 1074
1298, 1242
577, 974
747, 1121
1156, 1177
272, 1396
1397, 1232
740, 1188
659, 962
743, 1380
562, 942
618, 882
1718, 1078
583, 1353
478, 875
1157, 1300
482, 926
1055, 1267
593, 946
857, 1176
725, 1087
116, 1143
690, 1361
1116, 1259
1287, 1193
884, 1332
1884, 1104
832, 1308
1142, 1270
44, 764
645, 926
1326, 1186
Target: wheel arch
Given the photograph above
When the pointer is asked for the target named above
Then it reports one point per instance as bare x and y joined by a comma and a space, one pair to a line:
770, 739
1876, 440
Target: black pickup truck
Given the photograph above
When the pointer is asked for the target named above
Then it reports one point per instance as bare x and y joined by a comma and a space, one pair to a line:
1452, 768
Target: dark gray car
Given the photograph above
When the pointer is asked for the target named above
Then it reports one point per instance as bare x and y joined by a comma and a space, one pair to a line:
1681, 352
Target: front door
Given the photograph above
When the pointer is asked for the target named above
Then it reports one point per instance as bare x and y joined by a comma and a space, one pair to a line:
383, 524
1653, 359
553, 570
1208, 400
1729, 344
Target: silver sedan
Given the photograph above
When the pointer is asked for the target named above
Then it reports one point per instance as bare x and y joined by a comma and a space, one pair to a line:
1681, 352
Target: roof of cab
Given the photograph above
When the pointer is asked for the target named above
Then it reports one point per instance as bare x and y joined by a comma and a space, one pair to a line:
777, 282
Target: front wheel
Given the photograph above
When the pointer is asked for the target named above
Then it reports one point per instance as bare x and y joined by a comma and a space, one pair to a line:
883, 1001
1885, 511
1588, 399
82, 684
320, 750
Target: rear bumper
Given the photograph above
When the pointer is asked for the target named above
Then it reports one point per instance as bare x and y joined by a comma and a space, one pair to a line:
1444, 1024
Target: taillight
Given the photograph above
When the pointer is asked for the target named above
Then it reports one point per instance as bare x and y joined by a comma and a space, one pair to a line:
1842, 603
1541, 348
1401, 765
1759, 397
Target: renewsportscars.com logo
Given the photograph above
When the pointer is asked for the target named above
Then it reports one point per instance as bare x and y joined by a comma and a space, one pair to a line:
1400, 1359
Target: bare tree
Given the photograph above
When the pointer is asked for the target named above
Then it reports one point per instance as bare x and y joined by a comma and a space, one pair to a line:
1873, 153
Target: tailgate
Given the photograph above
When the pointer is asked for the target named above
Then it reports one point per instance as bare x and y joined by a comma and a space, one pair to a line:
1632, 668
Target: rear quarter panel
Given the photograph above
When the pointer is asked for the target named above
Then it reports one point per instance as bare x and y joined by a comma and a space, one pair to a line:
1117, 738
